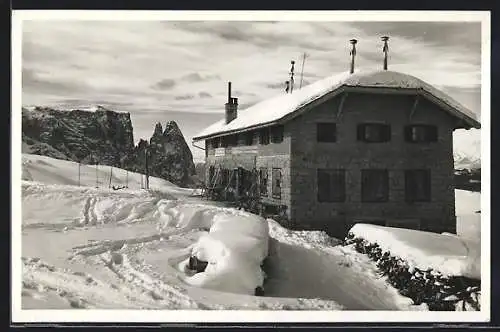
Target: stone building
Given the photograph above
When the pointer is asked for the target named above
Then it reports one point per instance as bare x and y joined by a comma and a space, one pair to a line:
372, 147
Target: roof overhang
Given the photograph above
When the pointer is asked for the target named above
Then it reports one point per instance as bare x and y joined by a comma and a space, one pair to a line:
465, 121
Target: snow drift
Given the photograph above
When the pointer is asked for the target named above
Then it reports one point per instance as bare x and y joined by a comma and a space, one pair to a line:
446, 253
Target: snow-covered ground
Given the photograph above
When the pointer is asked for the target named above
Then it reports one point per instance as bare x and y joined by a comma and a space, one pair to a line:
88, 247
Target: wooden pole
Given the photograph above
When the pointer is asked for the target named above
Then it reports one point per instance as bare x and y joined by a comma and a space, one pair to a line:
302, 70
79, 173
96, 174
147, 170
110, 176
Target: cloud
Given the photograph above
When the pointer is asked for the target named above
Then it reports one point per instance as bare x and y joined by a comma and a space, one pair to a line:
185, 97
197, 77
204, 94
164, 84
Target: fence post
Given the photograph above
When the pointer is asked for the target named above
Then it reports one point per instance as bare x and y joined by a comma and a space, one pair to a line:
110, 176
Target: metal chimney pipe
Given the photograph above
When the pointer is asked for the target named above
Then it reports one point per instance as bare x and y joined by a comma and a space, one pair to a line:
385, 50
353, 54
229, 92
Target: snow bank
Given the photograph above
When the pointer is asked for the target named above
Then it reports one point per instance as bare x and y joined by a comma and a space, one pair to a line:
234, 247
448, 254
276, 108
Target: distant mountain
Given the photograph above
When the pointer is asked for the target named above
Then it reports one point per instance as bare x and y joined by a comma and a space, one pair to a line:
463, 161
99, 135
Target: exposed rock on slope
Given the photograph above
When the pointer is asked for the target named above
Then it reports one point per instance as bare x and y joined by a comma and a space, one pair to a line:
106, 137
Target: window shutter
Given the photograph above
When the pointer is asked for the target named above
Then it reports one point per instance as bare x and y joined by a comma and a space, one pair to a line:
386, 133
323, 186
361, 132
408, 134
433, 133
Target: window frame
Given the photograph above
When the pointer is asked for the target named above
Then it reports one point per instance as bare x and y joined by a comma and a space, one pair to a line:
364, 178
430, 136
277, 134
263, 191
413, 197
386, 132
264, 136
331, 173
230, 141
276, 194
321, 138
248, 138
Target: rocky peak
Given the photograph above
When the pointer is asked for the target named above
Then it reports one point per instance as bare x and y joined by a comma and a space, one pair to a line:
158, 130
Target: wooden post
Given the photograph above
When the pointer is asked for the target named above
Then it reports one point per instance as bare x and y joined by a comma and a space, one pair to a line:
96, 174
147, 170
110, 176
79, 173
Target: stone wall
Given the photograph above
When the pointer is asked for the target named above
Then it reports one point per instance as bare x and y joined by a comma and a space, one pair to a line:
396, 155
272, 155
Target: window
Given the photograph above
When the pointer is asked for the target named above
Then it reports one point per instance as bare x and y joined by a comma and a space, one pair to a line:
326, 132
421, 133
264, 136
331, 185
248, 138
229, 140
215, 142
263, 181
277, 134
276, 182
374, 185
418, 185
374, 132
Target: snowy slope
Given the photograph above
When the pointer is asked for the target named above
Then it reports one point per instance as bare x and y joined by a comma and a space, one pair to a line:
87, 247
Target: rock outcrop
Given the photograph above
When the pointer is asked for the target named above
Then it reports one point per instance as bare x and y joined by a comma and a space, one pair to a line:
102, 136
106, 137
169, 156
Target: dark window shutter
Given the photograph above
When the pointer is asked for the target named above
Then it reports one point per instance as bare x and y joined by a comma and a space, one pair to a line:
386, 133
323, 186
337, 187
433, 133
408, 134
361, 132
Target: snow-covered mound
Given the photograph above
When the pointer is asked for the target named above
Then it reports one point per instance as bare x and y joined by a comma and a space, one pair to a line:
234, 247
276, 108
446, 253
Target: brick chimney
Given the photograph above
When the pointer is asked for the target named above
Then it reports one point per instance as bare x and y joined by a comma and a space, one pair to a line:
231, 105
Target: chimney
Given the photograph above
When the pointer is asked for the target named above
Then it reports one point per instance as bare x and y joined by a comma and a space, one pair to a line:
385, 50
231, 105
353, 53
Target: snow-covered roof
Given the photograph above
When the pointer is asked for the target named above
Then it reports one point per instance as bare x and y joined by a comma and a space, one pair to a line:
276, 108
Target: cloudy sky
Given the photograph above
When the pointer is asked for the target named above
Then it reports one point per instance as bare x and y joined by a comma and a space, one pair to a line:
165, 70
